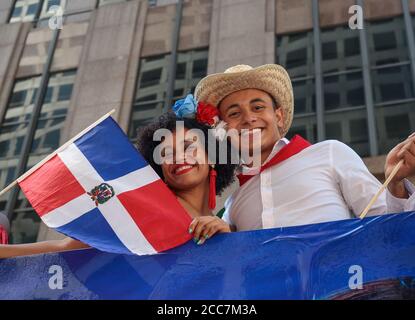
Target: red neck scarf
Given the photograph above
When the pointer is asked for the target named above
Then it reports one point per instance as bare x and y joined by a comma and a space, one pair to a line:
296, 145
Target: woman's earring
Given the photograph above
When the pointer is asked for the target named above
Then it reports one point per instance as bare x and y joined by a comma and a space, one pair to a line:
212, 188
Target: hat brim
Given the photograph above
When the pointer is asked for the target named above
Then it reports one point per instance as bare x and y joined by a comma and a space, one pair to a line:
271, 78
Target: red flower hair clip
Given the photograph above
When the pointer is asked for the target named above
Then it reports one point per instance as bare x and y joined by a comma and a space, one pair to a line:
207, 114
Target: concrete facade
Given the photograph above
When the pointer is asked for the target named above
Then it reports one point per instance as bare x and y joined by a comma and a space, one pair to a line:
241, 31
293, 16
103, 72
194, 31
80, 5
5, 8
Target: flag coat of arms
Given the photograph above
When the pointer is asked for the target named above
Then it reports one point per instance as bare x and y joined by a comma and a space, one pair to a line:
99, 190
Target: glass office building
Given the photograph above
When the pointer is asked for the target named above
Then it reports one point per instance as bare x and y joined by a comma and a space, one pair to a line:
345, 110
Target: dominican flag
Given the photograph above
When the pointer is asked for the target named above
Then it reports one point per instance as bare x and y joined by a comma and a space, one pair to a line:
99, 190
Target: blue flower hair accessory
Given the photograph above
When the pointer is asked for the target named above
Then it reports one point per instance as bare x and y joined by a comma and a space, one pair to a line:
186, 108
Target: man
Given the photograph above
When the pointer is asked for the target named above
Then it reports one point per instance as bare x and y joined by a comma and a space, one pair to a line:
298, 183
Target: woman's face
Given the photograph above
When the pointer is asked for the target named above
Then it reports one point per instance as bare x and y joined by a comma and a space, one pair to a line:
186, 164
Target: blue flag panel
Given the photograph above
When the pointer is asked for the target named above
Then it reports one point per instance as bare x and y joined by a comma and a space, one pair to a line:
372, 258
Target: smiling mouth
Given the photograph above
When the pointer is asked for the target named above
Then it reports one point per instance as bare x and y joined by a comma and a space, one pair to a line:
249, 132
183, 169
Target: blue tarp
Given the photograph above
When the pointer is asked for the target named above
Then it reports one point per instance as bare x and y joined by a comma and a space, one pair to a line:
306, 262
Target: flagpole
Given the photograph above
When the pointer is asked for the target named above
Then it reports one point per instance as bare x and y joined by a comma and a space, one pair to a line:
34, 168
384, 186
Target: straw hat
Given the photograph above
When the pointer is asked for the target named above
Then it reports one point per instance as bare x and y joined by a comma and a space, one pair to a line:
271, 78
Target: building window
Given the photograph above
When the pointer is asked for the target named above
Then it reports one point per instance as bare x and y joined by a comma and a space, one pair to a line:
397, 125
389, 57
394, 123
152, 84
305, 126
392, 82
304, 96
340, 48
13, 130
296, 53
51, 3
343, 88
387, 41
15, 123
25, 10
48, 4
30, 10
345, 109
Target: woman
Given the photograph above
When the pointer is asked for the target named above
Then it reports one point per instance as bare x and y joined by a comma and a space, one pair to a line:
187, 174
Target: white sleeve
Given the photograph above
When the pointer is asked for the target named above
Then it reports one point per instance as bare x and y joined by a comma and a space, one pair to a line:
396, 205
356, 183
226, 215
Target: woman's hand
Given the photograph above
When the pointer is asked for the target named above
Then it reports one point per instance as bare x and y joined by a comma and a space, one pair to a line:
205, 227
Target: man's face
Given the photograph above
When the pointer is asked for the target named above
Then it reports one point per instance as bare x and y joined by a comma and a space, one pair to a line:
253, 109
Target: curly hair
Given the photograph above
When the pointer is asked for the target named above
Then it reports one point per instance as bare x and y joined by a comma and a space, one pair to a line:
146, 145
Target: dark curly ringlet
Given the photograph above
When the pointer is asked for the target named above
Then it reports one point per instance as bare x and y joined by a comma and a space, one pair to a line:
146, 145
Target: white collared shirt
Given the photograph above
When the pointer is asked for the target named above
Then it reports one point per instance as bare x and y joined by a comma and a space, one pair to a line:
325, 182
